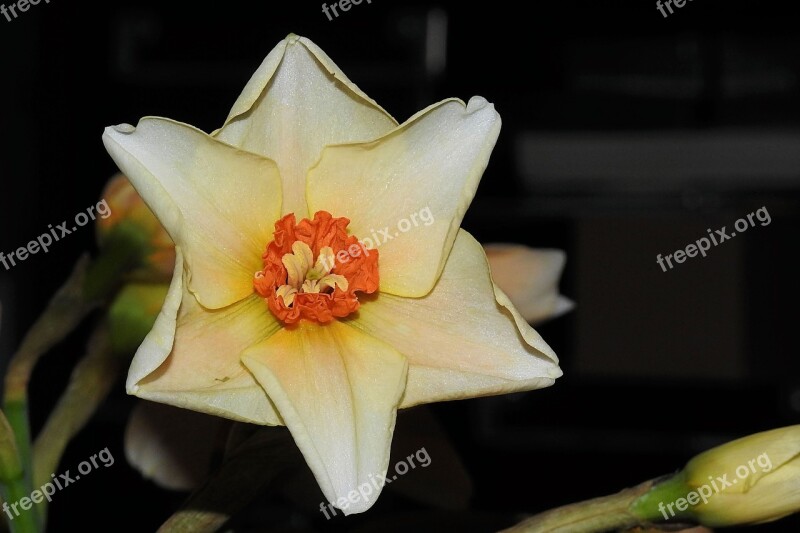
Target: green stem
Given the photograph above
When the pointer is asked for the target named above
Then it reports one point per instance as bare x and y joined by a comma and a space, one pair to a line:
599, 514
4, 522
26, 521
87, 287
90, 382
12, 481
665, 491
17, 416
63, 313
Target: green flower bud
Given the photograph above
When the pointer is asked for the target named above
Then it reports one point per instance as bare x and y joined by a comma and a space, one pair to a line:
132, 315
128, 209
747, 481
752, 479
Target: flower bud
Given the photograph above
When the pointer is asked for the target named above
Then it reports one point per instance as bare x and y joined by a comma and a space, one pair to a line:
128, 211
133, 313
747, 481
753, 479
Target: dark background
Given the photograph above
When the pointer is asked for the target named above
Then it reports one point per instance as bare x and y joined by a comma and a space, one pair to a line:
626, 135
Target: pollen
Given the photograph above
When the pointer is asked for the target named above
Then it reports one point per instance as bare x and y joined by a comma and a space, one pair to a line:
314, 269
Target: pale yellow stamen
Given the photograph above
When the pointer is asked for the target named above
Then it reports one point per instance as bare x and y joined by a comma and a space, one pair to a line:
302, 278
287, 293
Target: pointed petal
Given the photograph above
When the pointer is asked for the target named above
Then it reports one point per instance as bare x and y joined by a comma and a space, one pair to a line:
190, 359
464, 339
530, 278
418, 179
296, 103
217, 203
337, 390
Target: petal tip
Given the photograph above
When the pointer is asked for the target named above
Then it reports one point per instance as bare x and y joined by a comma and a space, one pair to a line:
121, 128
358, 507
563, 305
476, 103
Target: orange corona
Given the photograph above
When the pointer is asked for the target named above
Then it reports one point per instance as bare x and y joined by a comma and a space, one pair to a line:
311, 271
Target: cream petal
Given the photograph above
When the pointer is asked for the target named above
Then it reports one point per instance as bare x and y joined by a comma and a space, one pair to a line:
296, 103
190, 359
337, 390
530, 278
157, 345
464, 339
217, 202
409, 189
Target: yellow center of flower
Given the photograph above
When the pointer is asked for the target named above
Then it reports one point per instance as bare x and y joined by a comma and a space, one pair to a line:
313, 270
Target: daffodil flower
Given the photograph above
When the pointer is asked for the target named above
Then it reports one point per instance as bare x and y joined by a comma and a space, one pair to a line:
277, 313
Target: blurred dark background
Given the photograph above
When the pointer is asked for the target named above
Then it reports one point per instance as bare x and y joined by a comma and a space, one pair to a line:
626, 135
